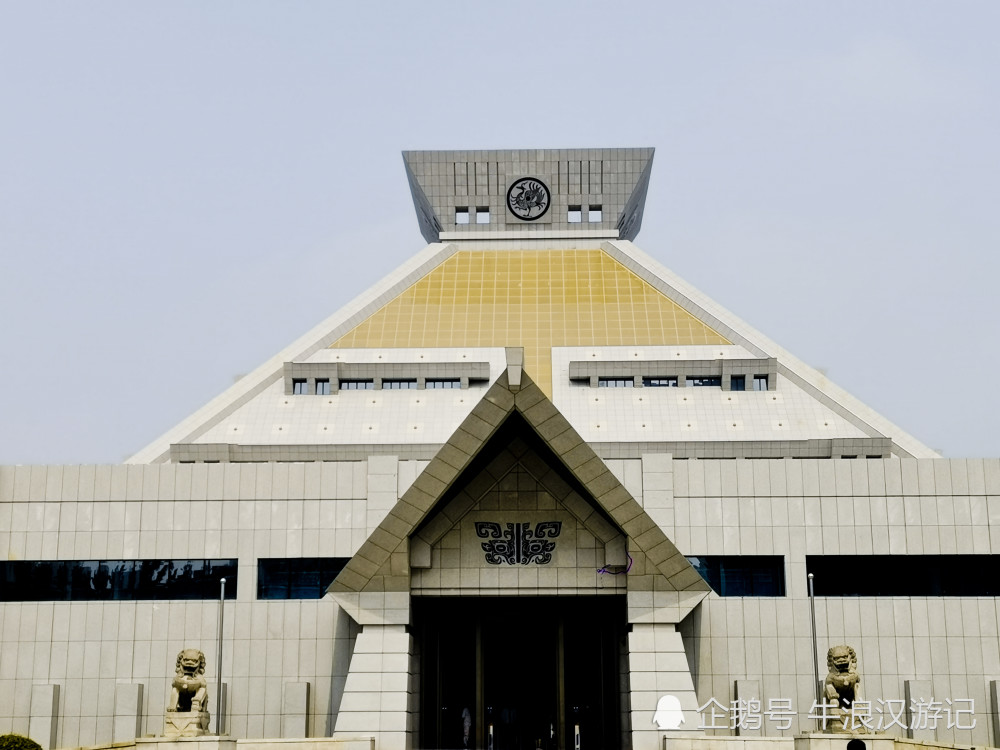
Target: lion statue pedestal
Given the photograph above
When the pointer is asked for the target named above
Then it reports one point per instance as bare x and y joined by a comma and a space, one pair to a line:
186, 724
186, 714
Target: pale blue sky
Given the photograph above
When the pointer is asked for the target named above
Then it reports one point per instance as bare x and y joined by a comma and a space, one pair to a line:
186, 187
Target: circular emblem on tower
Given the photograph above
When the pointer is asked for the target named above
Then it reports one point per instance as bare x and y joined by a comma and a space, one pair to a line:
528, 198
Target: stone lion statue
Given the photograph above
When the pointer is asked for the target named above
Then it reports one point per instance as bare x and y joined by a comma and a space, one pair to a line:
843, 681
842, 685
189, 691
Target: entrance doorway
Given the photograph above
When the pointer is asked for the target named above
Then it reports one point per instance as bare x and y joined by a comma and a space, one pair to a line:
524, 672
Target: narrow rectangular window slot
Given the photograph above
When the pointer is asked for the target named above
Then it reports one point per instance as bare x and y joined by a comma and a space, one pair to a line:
705, 381
615, 382
443, 383
595, 214
482, 214
738, 383
660, 382
398, 384
462, 215
574, 215
364, 384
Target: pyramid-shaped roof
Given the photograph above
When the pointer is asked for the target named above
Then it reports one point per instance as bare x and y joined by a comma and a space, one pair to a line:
586, 308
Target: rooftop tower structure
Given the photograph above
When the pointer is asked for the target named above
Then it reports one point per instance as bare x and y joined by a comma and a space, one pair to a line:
538, 194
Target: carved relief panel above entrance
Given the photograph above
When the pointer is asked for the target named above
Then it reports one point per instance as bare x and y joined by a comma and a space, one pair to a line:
516, 542
518, 526
517, 537
524, 539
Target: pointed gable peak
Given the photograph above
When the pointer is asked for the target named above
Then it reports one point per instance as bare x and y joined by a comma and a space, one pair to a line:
504, 412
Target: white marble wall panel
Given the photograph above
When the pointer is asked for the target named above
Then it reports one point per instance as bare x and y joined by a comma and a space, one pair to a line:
786, 412
44, 715
128, 711
796, 508
785, 507
94, 650
376, 700
657, 666
273, 417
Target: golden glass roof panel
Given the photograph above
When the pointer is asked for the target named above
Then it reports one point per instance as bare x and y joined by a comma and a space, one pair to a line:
529, 298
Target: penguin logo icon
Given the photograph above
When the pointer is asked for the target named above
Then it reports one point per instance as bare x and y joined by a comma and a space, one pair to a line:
669, 714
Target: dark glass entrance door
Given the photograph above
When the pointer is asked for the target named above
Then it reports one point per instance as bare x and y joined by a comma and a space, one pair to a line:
520, 674
526, 670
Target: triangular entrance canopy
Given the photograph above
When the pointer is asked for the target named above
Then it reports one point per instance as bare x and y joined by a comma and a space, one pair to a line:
382, 564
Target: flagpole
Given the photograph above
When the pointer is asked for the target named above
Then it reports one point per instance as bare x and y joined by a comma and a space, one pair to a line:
815, 648
218, 658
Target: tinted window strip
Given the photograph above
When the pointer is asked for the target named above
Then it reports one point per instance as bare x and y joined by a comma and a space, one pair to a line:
296, 577
122, 580
742, 575
905, 575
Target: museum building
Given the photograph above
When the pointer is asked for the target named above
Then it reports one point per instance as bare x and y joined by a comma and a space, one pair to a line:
531, 490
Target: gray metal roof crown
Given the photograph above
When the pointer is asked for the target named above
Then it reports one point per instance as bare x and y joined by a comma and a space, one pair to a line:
540, 193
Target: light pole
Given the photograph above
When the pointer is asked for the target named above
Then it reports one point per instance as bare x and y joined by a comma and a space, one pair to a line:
815, 649
218, 658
